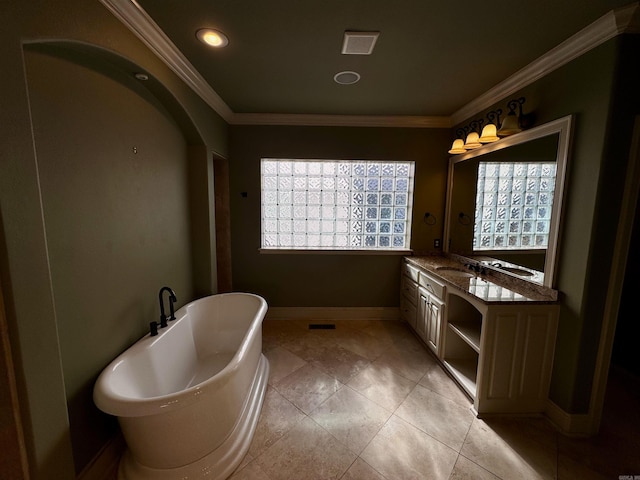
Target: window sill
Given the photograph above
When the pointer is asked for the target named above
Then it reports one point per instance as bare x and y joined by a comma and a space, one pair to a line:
524, 251
288, 251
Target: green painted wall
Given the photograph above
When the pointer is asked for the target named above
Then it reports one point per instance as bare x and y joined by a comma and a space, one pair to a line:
72, 198
625, 106
628, 102
117, 222
329, 280
586, 88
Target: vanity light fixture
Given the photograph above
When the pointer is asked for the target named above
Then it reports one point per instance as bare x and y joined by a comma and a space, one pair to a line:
213, 38
457, 147
511, 122
473, 138
458, 143
472, 141
490, 130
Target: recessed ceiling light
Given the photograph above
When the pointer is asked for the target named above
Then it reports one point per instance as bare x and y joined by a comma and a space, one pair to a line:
213, 38
346, 78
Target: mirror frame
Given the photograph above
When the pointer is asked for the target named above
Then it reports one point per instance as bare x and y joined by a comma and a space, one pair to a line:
561, 126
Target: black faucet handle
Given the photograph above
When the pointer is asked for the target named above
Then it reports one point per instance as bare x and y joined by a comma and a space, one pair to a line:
172, 299
153, 329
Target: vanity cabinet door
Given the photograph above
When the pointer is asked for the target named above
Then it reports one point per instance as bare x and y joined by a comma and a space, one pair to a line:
429, 319
516, 358
423, 313
434, 325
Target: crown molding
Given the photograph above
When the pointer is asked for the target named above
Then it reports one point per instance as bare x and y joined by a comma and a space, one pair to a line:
628, 18
143, 26
622, 20
402, 121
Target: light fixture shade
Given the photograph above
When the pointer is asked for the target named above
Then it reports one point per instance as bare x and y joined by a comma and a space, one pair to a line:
457, 147
472, 141
509, 126
489, 134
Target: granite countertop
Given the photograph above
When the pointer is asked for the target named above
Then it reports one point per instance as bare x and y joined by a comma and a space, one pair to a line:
492, 287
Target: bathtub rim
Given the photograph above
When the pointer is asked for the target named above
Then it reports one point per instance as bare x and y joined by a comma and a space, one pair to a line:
118, 405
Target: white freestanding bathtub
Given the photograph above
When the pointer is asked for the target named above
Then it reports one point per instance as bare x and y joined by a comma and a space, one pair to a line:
188, 399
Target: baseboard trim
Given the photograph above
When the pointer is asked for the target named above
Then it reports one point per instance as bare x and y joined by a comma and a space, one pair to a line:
570, 424
333, 313
104, 465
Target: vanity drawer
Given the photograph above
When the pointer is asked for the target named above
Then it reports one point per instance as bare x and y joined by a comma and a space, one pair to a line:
409, 289
409, 271
431, 285
408, 312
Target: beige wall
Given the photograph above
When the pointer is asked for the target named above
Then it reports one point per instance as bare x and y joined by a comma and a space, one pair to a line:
44, 346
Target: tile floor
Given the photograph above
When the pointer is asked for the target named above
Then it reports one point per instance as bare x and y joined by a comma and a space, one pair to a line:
367, 401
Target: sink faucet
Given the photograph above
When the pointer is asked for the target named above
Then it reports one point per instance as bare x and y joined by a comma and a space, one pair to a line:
172, 298
476, 268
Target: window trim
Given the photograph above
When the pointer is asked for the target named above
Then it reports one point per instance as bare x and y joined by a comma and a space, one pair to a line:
326, 251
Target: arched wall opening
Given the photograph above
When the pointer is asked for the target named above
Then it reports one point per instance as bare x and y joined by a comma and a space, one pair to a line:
125, 180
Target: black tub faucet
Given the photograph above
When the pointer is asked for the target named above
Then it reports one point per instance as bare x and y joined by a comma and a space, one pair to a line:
172, 298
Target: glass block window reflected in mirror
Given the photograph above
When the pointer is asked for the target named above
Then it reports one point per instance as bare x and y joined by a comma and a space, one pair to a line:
513, 205
336, 204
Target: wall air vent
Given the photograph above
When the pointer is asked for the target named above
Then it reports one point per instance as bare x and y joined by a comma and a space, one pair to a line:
359, 43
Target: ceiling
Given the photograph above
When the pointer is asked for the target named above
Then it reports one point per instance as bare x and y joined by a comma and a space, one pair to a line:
431, 59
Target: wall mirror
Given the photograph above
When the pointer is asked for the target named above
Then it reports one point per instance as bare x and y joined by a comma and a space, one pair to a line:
504, 202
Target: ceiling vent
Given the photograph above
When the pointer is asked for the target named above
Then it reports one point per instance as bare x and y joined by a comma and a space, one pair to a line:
359, 43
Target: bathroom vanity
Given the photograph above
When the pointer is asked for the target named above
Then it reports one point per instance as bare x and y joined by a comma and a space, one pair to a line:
486, 307
494, 334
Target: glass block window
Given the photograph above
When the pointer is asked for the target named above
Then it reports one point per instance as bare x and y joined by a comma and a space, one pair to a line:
513, 205
336, 204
